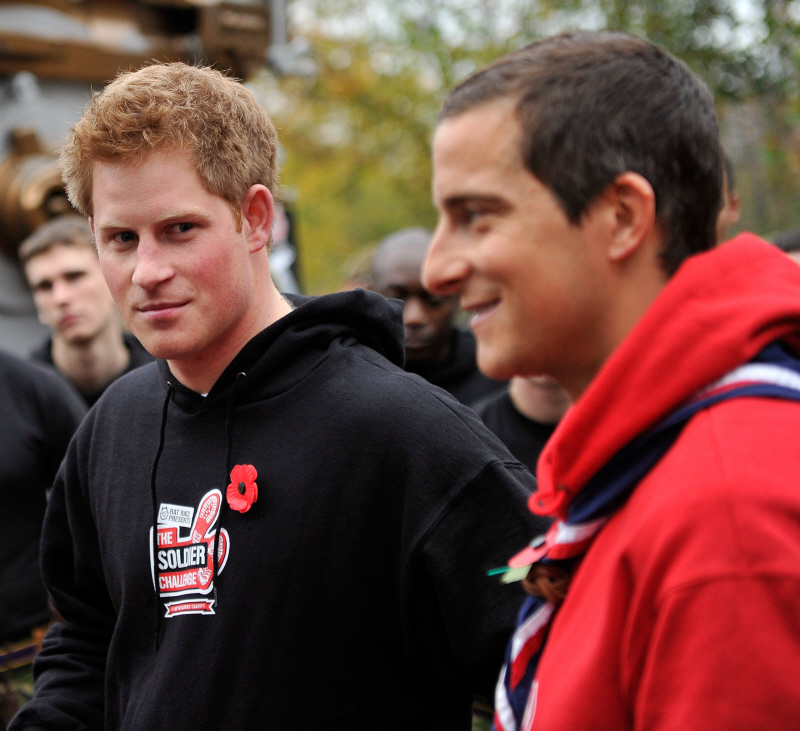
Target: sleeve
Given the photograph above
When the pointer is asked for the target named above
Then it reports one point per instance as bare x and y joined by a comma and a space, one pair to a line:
724, 655
70, 669
464, 617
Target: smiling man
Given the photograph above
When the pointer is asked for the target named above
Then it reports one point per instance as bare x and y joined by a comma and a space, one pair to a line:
436, 349
274, 526
87, 346
578, 183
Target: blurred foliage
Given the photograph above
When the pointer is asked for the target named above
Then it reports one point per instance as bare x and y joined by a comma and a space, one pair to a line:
356, 136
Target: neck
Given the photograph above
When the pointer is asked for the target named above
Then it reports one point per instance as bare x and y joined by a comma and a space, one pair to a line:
200, 372
91, 365
539, 398
632, 286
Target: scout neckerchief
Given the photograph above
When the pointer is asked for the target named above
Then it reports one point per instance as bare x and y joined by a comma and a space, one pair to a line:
773, 373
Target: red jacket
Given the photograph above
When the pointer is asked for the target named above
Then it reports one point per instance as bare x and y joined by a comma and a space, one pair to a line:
685, 612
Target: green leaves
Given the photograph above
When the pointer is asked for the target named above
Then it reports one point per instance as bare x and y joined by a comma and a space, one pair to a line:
357, 136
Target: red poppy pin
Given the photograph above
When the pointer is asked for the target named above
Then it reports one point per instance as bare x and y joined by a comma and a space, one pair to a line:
243, 491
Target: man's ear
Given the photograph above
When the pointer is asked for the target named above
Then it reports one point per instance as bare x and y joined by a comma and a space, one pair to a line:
736, 207
258, 214
634, 204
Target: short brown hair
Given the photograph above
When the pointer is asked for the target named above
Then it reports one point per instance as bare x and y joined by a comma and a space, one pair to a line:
166, 107
68, 230
593, 105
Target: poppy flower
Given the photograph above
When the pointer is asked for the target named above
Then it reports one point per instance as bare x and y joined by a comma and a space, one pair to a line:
243, 491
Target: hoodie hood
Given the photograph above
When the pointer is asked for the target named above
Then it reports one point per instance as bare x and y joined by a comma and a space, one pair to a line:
717, 312
285, 352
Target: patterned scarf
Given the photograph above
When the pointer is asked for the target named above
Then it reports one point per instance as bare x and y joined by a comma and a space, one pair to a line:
773, 373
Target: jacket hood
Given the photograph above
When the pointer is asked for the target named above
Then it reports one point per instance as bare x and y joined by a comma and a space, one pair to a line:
716, 313
285, 352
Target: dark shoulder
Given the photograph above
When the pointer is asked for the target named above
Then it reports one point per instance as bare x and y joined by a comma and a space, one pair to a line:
388, 402
43, 353
17, 373
27, 382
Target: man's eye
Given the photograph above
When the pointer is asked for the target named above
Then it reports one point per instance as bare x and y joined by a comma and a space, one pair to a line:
184, 227
125, 237
470, 215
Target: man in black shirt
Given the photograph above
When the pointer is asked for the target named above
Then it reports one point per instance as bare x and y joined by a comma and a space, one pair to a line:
275, 505
40, 415
525, 415
441, 353
88, 346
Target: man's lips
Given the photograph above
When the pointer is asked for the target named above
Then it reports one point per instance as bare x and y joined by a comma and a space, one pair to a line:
161, 310
68, 320
481, 311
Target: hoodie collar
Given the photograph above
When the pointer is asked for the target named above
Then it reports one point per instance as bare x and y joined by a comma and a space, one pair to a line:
717, 312
284, 353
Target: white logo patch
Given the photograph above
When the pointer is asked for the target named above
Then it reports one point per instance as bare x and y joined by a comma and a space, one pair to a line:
175, 515
184, 555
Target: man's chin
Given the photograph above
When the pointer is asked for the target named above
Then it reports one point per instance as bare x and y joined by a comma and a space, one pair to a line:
493, 365
77, 338
418, 352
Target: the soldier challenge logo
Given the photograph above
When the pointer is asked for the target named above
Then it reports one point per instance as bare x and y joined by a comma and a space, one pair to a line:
184, 556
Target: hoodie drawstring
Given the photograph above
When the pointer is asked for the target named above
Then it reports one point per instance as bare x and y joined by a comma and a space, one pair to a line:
222, 508
224, 504
154, 547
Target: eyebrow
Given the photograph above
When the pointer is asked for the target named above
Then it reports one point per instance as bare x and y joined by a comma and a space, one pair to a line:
66, 273
490, 201
171, 218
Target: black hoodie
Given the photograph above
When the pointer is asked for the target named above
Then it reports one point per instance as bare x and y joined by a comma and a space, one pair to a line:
352, 594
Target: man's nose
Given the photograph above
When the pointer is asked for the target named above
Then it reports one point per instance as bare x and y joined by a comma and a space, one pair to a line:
151, 266
415, 314
444, 269
62, 292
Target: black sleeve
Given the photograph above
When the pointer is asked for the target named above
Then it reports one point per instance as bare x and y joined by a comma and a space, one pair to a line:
70, 669
486, 524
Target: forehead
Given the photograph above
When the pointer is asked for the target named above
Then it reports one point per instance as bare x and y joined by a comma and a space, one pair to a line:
61, 258
476, 149
402, 267
142, 187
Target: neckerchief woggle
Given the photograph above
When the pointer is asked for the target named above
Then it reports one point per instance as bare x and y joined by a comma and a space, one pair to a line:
773, 373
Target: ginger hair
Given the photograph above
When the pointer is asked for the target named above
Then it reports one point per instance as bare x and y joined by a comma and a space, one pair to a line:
169, 107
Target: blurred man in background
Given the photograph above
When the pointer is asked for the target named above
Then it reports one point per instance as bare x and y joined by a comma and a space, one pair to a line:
436, 349
88, 346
